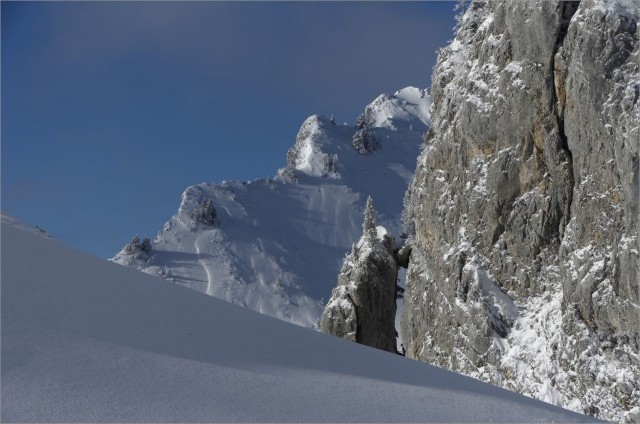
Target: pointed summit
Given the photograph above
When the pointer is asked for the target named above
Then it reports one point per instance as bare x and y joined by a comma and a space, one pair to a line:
369, 223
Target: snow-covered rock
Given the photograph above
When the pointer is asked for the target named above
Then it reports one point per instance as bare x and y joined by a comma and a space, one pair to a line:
524, 208
362, 307
276, 245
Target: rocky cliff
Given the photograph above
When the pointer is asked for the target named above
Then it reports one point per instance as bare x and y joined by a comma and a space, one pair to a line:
362, 307
523, 214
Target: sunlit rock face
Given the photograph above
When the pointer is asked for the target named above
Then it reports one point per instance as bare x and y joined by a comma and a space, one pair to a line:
524, 208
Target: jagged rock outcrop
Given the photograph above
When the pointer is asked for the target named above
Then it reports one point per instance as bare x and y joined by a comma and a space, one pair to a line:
205, 214
139, 249
362, 307
523, 214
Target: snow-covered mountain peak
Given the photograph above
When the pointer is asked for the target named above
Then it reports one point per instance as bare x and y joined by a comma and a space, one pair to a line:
275, 245
323, 149
314, 152
405, 109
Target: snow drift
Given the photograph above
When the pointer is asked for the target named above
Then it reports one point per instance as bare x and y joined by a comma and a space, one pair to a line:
85, 340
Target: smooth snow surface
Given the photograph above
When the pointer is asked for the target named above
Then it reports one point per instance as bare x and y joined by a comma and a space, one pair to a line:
84, 340
280, 241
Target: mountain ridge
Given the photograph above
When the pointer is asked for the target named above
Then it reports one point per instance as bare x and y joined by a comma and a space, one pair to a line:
275, 245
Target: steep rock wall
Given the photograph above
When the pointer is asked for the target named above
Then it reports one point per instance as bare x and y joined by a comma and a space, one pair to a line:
523, 211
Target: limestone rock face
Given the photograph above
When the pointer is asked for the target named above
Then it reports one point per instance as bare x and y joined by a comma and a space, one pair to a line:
524, 208
362, 307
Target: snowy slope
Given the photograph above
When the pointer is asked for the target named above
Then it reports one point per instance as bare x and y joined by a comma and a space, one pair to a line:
280, 242
84, 340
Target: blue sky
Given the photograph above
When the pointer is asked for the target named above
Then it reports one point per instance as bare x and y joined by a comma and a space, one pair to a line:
111, 109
